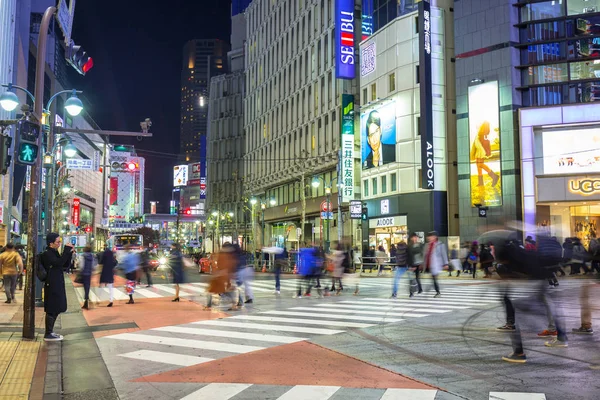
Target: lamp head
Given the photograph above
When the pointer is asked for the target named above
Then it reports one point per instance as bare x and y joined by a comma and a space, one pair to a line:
272, 202
253, 201
9, 100
215, 213
231, 214
73, 105
70, 150
315, 183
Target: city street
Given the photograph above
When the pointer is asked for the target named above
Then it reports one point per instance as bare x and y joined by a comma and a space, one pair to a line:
367, 346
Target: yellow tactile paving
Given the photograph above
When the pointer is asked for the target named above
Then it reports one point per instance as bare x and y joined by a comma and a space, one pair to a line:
17, 364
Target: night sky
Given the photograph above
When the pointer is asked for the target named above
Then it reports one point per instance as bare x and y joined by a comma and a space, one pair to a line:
137, 50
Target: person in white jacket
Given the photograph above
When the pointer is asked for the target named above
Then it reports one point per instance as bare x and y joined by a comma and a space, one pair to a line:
436, 258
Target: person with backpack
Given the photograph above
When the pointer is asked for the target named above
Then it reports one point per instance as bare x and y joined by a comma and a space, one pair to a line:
473, 258
580, 256
87, 264
10, 265
415, 261
595, 254
54, 264
401, 265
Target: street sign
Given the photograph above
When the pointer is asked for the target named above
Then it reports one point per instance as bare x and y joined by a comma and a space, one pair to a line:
96, 160
76, 163
483, 212
325, 207
73, 240
64, 16
76, 211
326, 215
355, 209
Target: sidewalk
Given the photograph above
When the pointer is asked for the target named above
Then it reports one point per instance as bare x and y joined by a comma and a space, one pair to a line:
22, 362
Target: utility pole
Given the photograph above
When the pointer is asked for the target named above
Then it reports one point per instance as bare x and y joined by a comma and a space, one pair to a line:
34, 200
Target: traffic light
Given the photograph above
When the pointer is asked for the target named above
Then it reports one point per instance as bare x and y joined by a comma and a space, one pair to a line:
27, 148
188, 211
79, 59
5, 157
364, 215
131, 166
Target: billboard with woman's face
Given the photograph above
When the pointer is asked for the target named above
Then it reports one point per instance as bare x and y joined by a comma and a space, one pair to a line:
484, 137
378, 136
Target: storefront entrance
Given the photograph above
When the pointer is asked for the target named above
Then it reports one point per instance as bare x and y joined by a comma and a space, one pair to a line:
387, 231
570, 220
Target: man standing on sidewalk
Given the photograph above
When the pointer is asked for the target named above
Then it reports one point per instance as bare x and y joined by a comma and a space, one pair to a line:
55, 296
10, 264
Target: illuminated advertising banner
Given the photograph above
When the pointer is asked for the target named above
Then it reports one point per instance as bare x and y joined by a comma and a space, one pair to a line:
368, 59
378, 136
180, 175
484, 139
76, 211
572, 151
426, 95
367, 19
347, 156
344, 39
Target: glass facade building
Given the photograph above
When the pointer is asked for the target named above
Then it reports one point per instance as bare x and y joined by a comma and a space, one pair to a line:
378, 13
560, 51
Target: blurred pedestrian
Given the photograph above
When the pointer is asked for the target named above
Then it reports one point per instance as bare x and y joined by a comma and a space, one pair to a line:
337, 258
176, 264
108, 262
244, 275
580, 257
436, 259
306, 263
381, 258
145, 256
87, 264
131, 264
55, 296
11, 264
21, 250
486, 260
401, 262
223, 271
473, 258
415, 262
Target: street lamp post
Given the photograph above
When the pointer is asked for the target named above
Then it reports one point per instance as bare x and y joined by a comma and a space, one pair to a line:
328, 185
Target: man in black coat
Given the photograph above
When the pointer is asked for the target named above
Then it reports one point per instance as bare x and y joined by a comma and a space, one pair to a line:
55, 296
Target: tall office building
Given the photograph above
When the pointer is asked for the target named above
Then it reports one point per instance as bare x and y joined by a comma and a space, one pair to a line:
226, 139
296, 73
202, 59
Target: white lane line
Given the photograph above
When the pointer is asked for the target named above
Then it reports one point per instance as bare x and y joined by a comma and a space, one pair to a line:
217, 391
202, 284
470, 299
262, 284
516, 396
409, 394
408, 303
422, 296
334, 316
170, 290
367, 308
369, 312
93, 296
301, 321
193, 344
303, 392
266, 327
80, 293
118, 295
166, 358
147, 293
232, 334
190, 288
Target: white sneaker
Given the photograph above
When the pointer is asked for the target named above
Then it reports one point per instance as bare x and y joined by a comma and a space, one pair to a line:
53, 337
277, 292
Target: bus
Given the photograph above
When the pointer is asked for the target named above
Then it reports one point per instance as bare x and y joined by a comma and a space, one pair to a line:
118, 242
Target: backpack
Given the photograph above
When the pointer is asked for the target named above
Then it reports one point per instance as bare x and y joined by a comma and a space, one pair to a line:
472, 258
40, 271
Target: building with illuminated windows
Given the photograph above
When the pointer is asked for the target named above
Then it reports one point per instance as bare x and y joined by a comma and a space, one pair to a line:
527, 78
202, 59
296, 73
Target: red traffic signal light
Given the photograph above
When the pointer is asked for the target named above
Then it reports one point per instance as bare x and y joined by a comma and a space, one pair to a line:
79, 59
188, 211
131, 166
88, 229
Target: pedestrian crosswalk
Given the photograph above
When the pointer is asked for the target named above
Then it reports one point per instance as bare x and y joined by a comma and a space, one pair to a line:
260, 288
243, 391
212, 339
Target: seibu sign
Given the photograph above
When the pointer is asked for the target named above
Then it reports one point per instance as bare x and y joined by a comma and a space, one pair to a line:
344, 39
